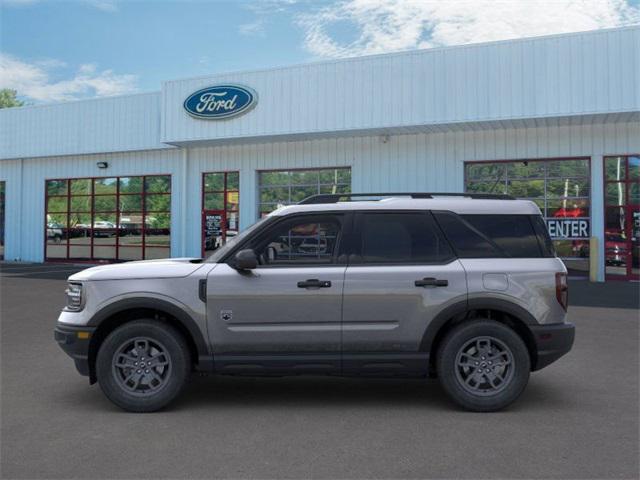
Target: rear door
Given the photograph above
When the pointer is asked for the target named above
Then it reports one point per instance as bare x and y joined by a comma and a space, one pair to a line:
401, 275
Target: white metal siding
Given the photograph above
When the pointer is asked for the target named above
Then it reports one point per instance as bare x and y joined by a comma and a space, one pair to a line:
26, 192
113, 124
416, 162
558, 76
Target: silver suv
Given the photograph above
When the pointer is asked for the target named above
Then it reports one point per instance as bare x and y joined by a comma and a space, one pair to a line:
459, 286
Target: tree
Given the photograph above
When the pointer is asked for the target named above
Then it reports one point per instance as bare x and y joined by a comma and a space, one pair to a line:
8, 98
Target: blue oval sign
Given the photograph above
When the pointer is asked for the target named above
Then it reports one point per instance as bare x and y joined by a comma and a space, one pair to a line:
220, 101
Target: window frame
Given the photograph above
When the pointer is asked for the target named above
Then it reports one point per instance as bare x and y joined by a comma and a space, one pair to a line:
289, 185
91, 212
356, 242
346, 223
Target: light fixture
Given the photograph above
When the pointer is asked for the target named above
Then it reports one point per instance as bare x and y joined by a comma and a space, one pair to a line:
102, 165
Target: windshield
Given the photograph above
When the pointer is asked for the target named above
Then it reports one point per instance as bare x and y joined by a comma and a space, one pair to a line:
231, 242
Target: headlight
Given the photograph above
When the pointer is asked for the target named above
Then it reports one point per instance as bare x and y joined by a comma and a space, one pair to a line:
74, 297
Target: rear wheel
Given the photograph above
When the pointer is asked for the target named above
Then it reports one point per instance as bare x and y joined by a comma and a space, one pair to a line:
483, 365
143, 365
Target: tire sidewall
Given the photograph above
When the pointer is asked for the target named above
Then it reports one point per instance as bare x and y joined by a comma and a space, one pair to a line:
177, 349
446, 365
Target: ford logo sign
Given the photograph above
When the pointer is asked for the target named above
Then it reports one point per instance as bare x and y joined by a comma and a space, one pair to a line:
220, 101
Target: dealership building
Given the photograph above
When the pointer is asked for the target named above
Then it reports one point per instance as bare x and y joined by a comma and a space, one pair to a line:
176, 172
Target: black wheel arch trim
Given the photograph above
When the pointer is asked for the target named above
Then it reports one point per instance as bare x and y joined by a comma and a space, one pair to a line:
462, 308
120, 306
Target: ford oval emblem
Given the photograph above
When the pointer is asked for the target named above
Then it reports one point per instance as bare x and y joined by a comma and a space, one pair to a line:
220, 101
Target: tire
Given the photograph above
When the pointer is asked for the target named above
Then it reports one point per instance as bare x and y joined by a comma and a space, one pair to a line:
495, 350
134, 384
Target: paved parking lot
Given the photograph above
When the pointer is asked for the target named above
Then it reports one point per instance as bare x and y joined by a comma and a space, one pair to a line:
577, 419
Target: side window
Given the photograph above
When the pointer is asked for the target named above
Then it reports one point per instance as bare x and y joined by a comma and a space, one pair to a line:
401, 238
308, 240
468, 242
514, 234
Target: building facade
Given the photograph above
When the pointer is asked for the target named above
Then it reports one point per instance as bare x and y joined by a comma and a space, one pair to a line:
176, 172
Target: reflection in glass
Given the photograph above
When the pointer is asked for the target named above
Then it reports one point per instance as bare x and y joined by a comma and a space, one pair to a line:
56, 187
81, 186
57, 204
81, 204
99, 227
614, 168
286, 187
213, 182
158, 184
105, 186
615, 194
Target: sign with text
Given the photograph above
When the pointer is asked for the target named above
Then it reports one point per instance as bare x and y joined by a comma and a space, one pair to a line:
220, 102
560, 228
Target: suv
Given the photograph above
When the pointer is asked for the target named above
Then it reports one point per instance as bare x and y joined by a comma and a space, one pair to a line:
465, 287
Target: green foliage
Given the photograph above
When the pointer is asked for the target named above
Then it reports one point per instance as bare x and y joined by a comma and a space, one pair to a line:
8, 98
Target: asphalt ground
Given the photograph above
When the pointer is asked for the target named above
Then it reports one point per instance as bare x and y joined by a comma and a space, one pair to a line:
578, 418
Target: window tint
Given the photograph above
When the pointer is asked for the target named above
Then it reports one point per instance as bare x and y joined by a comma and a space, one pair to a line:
514, 234
401, 238
544, 240
306, 240
468, 242
483, 236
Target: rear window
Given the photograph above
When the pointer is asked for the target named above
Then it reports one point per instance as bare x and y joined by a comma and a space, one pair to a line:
401, 238
486, 236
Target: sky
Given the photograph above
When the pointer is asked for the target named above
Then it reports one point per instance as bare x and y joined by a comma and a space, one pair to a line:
55, 50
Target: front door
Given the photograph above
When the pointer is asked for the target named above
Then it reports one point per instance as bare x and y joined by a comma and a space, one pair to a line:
285, 314
622, 217
220, 202
402, 275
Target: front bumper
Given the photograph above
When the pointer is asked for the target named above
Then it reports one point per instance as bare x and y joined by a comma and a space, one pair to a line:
552, 342
75, 342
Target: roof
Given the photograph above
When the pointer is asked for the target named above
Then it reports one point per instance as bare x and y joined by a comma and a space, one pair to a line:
461, 205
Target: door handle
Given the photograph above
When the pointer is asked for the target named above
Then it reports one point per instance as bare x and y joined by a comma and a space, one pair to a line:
431, 282
314, 283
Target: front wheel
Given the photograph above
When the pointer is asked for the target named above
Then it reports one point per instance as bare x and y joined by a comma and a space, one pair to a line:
483, 365
143, 365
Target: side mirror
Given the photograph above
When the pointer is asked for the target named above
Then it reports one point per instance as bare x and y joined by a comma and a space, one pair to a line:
246, 260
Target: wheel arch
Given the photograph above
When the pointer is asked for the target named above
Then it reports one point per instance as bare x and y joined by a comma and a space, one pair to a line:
508, 313
127, 310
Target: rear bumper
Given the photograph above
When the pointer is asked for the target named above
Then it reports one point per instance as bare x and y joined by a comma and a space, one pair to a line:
552, 342
75, 345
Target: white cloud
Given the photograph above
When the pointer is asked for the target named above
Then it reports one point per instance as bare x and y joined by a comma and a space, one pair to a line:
255, 28
389, 25
34, 80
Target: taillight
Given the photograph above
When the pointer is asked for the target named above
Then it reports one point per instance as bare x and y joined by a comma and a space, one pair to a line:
562, 290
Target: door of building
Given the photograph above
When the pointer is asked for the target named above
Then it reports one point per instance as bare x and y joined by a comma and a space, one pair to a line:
220, 202
622, 217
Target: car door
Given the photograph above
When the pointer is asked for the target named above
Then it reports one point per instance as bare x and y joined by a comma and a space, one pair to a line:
286, 313
401, 274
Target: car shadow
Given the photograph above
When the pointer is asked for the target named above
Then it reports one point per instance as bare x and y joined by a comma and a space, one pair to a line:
313, 392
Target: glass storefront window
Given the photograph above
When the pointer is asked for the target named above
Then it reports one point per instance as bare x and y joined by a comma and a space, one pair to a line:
561, 189
622, 216
284, 187
220, 209
2, 188
108, 219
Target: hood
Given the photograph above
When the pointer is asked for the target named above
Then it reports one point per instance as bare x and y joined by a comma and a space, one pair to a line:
164, 268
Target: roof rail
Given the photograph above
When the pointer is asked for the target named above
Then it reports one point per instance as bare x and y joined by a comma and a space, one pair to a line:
337, 197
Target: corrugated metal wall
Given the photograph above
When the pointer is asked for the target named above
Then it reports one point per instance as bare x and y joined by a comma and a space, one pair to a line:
427, 162
25, 209
114, 124
585, 73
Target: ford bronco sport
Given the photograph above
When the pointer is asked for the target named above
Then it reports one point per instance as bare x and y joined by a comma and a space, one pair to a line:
463, 287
